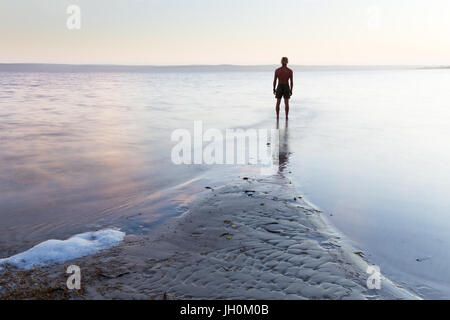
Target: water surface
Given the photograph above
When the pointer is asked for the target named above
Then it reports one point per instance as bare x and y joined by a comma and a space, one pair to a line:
84, 150
371, 149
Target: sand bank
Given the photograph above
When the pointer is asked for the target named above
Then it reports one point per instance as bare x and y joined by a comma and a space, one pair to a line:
251, 239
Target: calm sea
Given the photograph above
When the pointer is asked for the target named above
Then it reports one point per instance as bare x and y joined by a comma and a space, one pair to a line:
82, 150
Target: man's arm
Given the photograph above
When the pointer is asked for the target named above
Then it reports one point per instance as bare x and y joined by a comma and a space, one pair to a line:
291, 79
275, 82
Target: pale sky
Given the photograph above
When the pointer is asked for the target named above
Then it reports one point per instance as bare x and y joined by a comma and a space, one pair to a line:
167, 32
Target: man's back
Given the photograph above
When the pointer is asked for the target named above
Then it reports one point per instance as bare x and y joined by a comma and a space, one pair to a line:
283, 74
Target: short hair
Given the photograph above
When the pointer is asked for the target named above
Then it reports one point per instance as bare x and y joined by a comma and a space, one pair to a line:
284, 60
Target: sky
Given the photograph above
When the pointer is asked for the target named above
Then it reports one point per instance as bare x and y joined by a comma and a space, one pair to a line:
247, 32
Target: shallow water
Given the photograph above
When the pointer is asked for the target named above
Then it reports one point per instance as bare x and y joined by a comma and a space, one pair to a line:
84, 150
371, 150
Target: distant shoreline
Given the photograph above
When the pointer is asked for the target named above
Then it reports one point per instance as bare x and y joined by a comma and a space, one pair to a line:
61, 68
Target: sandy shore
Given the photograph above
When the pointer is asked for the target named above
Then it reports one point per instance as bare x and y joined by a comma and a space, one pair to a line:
251, 239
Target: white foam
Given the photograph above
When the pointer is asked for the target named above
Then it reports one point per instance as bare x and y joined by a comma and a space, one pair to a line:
53, 251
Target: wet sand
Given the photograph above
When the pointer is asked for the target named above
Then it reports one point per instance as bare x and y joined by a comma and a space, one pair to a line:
253, 238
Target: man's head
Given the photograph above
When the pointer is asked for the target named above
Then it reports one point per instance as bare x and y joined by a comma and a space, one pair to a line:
284, 61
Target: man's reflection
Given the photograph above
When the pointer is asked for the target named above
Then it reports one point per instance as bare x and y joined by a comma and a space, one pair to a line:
283, 155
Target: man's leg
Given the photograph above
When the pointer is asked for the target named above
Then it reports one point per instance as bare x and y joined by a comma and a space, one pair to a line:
286, 104
277, 108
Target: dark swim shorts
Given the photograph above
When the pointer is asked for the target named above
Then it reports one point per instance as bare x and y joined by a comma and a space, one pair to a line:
283, 90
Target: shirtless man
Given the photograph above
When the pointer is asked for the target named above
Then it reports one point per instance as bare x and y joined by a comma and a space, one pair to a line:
284, 75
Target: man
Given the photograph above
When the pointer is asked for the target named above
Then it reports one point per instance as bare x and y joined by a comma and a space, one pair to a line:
284, 75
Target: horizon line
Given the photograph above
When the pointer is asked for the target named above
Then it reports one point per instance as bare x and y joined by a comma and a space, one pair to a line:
220, 65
